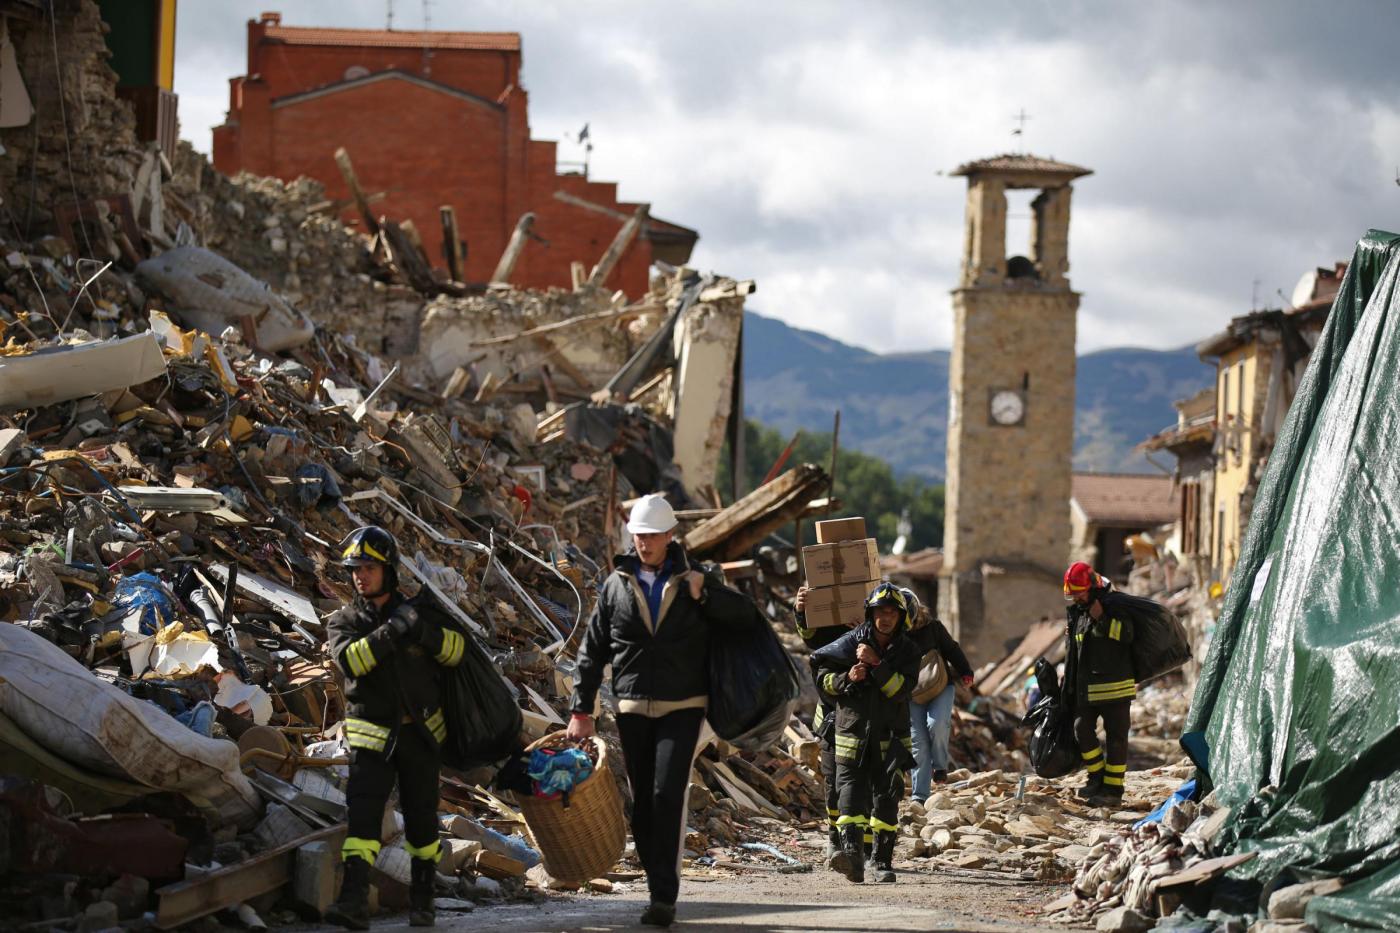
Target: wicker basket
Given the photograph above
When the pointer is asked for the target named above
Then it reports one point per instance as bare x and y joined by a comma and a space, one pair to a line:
584, 840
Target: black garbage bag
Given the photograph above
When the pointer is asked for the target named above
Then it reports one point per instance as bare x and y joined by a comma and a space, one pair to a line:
1159, 643
1052, 747
483, 722
753, 684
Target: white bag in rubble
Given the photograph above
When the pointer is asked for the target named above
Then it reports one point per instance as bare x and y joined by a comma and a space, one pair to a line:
65, 708
210, 293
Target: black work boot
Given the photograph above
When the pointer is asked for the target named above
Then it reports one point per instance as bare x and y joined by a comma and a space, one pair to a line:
852, 853
351, 909
658, 914
883, 870
1109, 795
420, 893
1092, 786
833, 844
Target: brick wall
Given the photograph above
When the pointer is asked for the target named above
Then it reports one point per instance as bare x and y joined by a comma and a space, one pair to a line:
426, 147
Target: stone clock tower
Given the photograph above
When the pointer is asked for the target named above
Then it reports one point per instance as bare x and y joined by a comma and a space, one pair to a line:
1011, 410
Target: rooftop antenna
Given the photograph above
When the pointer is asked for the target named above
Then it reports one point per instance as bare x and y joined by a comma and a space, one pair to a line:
1254, 296
389, 15
585, 139
427, 28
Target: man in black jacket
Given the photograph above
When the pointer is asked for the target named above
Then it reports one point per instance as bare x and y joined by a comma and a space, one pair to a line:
1102, 635
652, 623
869, 672
389, 651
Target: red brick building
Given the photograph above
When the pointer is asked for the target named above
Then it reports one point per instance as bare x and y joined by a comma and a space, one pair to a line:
429, 118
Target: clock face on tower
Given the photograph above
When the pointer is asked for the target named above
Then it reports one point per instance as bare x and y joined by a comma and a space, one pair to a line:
1007, 407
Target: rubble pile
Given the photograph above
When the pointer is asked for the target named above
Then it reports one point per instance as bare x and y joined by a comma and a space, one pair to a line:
1017, 823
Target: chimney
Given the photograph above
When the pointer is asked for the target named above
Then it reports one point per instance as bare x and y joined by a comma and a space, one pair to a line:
271, 19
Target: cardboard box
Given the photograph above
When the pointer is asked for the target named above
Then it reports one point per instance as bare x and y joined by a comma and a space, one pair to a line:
838, 605
840, 529
844, 562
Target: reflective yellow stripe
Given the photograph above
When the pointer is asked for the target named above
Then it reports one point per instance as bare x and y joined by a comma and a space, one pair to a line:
1117, 690
1096, 766
364, 725
1115, 630
437, 726
453, 645
1116, 769
356, 847
818, 718
1090, 756
361, 733
852, 821
360, 657
1113, 780
869, 838
803, 632
880, 825
829, 684
893, 685
432, 850
358, 548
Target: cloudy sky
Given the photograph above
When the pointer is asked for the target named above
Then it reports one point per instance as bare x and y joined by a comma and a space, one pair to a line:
1234, 146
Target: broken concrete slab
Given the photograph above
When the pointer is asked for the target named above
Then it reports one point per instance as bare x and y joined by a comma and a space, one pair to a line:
58, 374
1123, 920
1291, 903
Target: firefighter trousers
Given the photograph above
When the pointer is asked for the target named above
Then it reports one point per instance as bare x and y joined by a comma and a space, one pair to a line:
412, 757
1117, 718
869, 792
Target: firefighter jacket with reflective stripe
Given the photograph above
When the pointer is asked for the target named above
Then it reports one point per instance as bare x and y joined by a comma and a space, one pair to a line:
391, 680
1105, 668
872, 715
815, 638
662, 659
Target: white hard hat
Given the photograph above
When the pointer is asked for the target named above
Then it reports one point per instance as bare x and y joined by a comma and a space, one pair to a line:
651, 514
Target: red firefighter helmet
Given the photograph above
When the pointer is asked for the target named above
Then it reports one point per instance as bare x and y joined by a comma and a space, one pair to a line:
1080, 578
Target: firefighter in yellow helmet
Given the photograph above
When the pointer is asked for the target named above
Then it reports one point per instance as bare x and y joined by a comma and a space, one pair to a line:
869, 673
390, 650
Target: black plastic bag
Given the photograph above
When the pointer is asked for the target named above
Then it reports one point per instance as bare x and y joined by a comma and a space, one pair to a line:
1159, 643
1053, 749
753, 685
483, 722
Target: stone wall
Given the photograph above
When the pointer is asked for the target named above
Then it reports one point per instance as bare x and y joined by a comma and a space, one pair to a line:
81, 143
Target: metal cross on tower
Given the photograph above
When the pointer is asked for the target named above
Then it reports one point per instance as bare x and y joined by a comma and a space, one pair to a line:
1021, 119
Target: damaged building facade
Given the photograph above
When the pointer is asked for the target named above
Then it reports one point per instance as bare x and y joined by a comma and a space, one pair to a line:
1223, 435
434, 121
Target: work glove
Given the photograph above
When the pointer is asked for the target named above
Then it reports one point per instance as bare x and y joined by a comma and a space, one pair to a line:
404, 624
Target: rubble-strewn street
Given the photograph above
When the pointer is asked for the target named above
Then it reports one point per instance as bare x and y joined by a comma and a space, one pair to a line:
384, 538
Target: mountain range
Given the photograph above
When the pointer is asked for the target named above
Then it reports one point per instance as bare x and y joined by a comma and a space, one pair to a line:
895, 406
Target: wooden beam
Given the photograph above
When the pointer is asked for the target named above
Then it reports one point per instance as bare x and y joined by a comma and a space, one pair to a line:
619, 245
578, 274
452, 243
625, 314
352, 181
410, 260
505, 268
189, 900
734, 531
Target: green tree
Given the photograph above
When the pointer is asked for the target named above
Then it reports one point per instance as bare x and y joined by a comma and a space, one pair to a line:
866, 485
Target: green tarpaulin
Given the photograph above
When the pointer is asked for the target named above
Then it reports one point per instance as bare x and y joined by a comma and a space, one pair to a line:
1296, 718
